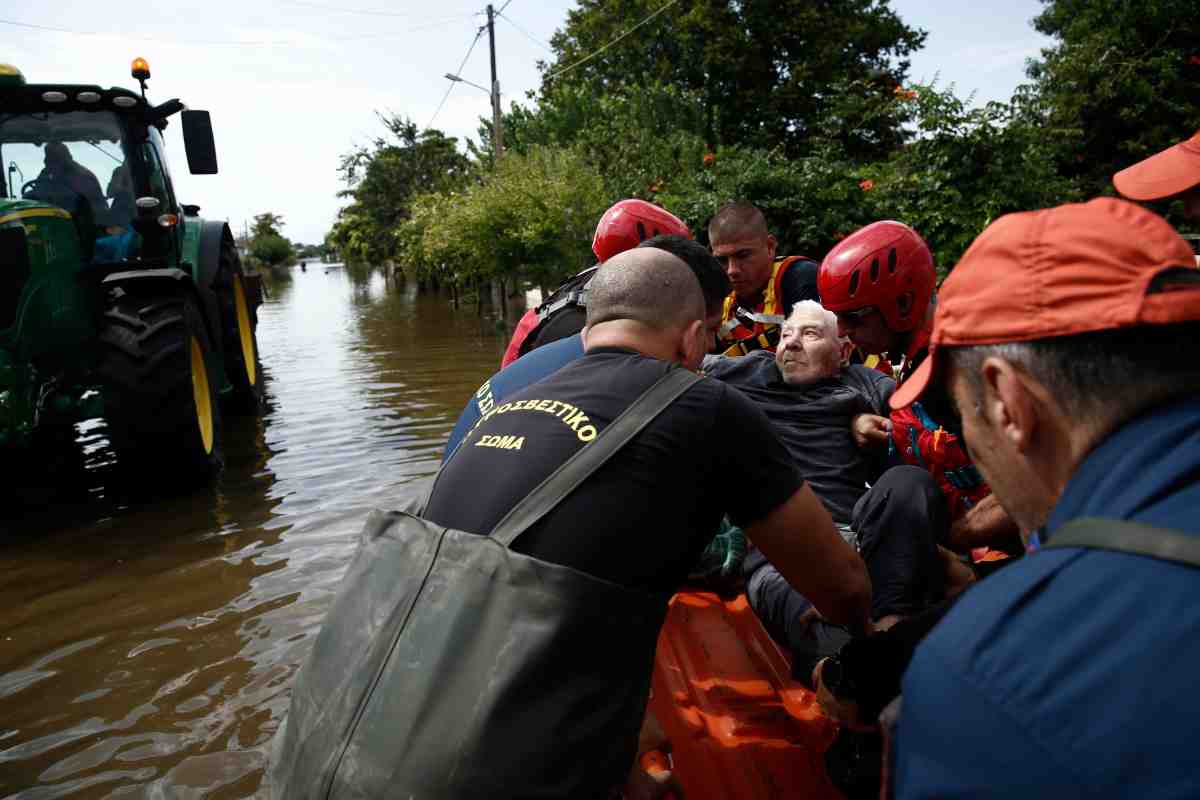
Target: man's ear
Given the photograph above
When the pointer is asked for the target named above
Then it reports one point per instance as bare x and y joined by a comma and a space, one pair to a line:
772, 244
693, 344
845, 347
1010, 404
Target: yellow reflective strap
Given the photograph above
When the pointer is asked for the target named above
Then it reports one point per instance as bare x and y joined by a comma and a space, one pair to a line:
735, 350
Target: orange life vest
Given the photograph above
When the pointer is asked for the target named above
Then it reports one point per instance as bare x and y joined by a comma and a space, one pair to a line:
736, 338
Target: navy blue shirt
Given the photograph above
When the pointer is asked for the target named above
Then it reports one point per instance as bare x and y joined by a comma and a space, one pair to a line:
1072, 673
528, 369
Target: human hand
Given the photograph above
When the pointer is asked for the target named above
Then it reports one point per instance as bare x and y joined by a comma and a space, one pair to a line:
652, 737
984, 524
870, 430
652, 779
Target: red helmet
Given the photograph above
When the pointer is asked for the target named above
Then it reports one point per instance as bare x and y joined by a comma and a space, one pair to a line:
886, 265
631, 222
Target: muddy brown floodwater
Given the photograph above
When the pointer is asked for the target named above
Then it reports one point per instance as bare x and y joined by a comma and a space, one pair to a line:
148, 644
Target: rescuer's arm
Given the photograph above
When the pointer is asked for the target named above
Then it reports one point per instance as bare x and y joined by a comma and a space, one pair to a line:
799, 539
984, 524
871, 431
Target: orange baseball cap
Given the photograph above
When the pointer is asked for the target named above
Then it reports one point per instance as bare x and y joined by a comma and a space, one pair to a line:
1061, 271
1163, 174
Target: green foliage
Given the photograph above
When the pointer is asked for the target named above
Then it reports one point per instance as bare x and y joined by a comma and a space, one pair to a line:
966, 167
797, 107
381, 181
533, 216
638, 138
766, 71
310, 251
267, 224
806, 201
271, 250
1122, 82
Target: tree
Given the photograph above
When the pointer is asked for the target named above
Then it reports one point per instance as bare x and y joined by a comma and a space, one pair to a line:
639, 139
533, 218
1122, 82
766, 71
382, 179
267, 224
965, 167
272, 250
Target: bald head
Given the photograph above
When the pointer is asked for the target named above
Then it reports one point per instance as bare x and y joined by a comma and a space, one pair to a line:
645, 285
734, 221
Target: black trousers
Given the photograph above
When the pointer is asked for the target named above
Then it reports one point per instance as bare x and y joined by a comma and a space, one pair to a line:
899, 523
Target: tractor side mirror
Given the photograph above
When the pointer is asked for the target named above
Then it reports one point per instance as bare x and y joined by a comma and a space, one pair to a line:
199, 144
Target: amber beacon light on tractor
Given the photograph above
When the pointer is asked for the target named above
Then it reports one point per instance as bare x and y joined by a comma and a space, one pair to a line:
118, 300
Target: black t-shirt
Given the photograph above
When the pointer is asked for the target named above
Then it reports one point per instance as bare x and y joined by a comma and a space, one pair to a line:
813, 422
643, 518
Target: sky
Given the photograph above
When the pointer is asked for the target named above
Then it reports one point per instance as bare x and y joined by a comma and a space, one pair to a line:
292, 85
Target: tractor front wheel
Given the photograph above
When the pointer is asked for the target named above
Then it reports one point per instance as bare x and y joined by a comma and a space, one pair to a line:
243, 368
160, 390
239, 322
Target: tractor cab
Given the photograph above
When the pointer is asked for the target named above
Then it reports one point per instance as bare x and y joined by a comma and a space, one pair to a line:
98, 155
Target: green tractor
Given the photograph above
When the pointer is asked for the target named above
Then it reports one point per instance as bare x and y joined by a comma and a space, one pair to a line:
116, 300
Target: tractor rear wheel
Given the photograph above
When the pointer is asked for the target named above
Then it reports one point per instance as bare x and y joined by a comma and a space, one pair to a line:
160, 391
239, 321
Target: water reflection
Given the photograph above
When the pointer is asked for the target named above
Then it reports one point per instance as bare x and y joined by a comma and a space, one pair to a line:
147, 646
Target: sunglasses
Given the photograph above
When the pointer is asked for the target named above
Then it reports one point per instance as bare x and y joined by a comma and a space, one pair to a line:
852, 319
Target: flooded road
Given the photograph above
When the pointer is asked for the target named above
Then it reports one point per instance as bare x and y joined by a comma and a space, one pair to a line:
147, 645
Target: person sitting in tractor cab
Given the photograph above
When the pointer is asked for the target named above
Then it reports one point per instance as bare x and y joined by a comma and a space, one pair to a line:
764, 287
879, 281
120, 241
67, 183
120, 190
623, 226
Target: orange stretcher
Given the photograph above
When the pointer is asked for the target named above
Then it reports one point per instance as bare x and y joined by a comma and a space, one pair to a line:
738, 725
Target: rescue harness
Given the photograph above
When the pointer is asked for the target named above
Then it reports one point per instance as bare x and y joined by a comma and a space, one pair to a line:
572, 294
742, 330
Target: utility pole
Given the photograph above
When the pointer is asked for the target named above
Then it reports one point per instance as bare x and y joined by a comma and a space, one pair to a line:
497, 129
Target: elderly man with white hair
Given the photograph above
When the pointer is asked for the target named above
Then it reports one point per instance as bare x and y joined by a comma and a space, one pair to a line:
812, 396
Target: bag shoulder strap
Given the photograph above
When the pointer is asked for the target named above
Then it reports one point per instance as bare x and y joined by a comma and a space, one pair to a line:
1129, 537
575, 470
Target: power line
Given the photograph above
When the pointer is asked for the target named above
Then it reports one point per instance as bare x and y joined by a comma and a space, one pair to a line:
506, 2
588, 58
55, 29
527, 34
229, 42
450, 88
